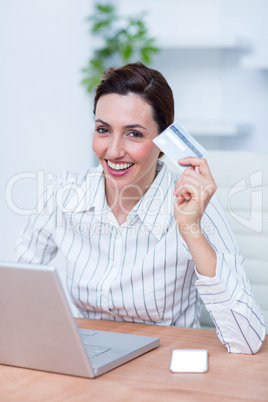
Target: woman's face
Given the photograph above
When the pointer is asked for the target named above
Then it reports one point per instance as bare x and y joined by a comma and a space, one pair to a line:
122, 141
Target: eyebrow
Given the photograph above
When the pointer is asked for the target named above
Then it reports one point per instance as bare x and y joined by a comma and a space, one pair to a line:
136, 125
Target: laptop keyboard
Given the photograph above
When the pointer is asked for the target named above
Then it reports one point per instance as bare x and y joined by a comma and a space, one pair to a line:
95, 350
92, 350
88, 332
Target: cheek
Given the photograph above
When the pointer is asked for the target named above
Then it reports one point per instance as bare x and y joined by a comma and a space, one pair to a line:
97, 145
148, 151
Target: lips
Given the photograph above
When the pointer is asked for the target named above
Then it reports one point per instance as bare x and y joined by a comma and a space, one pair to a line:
118, 168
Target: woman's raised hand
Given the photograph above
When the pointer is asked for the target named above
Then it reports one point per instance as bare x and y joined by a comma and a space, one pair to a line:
193, 191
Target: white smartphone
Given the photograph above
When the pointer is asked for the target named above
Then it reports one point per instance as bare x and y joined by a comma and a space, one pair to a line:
189, 361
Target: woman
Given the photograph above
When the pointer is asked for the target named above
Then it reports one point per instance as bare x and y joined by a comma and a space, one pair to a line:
143, 244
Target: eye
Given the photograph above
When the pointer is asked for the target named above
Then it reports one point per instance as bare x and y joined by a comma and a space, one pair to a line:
102, 130
135, 134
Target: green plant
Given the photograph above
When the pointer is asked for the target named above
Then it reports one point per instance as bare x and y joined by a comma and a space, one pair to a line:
124, 38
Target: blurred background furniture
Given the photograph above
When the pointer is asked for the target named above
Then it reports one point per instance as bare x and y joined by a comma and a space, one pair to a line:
242, 189
242, 180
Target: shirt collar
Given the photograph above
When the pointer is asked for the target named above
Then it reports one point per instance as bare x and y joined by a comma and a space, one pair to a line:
88, 193
154, 209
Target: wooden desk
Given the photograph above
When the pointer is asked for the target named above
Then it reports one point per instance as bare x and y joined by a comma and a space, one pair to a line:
230, 377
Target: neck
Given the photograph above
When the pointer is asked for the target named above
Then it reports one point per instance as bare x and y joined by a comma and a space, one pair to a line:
122, 201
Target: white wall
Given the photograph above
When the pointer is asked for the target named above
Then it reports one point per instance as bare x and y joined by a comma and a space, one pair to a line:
46, 117
246, 89
211, 85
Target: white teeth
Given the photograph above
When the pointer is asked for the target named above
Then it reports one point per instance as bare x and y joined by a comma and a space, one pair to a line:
119, 166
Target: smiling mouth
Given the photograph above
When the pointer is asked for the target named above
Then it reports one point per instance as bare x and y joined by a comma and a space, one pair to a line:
119, 167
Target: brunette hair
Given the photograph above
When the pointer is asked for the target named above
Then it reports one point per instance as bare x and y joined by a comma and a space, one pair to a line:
139, 79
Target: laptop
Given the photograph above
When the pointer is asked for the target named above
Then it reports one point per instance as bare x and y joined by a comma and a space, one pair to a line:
38, 331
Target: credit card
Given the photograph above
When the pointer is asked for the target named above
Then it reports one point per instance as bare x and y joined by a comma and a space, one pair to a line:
177, 143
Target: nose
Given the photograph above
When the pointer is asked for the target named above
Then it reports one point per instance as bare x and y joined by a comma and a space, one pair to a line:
116, 147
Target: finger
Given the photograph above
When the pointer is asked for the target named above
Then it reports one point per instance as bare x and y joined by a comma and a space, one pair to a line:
180, 199
183, 197
200, 163
191, 179
193, 186
186, 191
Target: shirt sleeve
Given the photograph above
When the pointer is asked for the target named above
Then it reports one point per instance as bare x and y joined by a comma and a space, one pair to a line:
228, 295
35, 245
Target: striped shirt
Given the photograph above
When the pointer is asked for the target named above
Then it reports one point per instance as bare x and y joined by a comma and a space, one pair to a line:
142, 271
